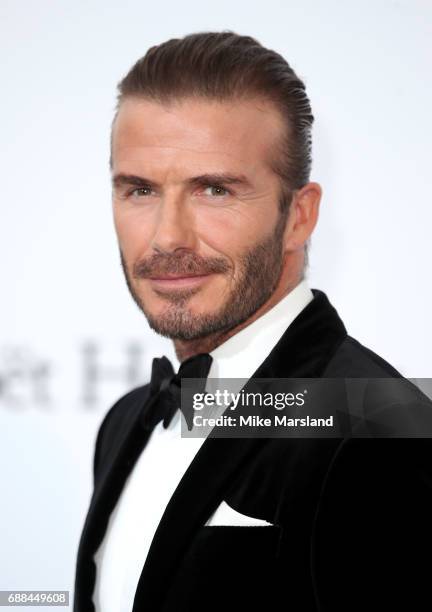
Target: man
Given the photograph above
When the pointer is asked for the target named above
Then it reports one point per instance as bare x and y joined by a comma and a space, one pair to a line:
213, 209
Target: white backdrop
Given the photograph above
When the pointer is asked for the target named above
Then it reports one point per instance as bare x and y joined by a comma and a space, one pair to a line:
367, 70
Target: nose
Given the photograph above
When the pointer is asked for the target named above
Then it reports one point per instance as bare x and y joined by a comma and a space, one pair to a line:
175, 225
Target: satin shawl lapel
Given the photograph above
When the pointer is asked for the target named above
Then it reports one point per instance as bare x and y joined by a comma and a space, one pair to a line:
303, 351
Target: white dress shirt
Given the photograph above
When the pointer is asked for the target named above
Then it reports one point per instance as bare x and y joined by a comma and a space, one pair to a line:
166, 457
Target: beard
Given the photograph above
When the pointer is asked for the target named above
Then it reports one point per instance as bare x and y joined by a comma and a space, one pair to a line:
260, 270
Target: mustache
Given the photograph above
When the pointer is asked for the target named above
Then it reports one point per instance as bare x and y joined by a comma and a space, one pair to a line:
184, 263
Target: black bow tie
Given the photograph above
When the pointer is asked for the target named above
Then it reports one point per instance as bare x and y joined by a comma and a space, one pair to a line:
165, 389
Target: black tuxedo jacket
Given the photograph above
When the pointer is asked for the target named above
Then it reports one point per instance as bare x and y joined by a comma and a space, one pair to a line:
351, 518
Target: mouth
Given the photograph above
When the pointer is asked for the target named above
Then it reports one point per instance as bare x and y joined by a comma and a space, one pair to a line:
178, 282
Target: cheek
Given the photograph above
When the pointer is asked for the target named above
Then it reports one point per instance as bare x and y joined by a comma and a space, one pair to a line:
133, 234
231, 233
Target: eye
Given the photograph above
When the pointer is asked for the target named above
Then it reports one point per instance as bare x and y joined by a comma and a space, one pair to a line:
140, 191
216, 190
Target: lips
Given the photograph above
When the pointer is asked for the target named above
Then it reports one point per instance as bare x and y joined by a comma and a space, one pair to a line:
177, 281
174, 277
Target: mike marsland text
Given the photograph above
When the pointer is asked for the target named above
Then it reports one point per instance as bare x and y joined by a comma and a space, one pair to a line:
277, 420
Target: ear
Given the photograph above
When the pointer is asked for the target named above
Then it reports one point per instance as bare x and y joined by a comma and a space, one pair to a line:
302, 217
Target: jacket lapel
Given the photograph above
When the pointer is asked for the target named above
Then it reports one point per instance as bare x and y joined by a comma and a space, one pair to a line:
303, 351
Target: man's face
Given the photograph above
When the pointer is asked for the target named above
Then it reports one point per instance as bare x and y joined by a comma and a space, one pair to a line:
196, 211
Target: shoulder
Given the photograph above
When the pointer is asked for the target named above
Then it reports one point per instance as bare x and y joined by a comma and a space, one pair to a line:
353, 359
115, 421
385, 395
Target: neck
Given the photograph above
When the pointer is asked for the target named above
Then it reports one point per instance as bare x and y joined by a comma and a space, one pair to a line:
188, 348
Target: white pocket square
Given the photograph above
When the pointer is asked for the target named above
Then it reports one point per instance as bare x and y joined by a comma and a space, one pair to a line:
225, 515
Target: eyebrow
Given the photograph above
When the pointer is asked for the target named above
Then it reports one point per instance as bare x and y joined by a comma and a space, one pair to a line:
203, 179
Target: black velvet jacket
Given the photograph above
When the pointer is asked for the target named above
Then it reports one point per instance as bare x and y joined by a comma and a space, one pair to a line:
351, 518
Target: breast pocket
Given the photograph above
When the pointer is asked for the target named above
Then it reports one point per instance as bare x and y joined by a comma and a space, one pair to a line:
227, 568
237, 544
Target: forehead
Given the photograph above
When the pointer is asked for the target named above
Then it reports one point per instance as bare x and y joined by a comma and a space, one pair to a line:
239, 132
